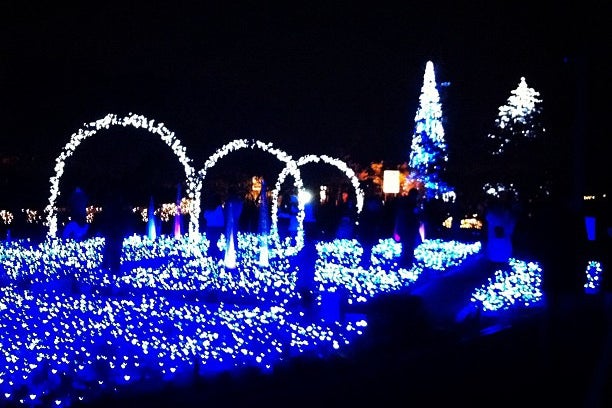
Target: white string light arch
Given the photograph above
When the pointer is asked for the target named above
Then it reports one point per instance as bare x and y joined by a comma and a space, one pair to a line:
138, 122
312, 158
291, 167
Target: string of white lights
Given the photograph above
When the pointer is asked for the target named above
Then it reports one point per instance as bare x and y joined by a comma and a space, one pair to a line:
138, 122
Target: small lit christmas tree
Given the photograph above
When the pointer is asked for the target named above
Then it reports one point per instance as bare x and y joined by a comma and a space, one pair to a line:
518, 119
516, 153
428, 155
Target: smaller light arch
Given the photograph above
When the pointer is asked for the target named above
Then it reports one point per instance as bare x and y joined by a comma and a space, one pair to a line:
291, 167
312, 158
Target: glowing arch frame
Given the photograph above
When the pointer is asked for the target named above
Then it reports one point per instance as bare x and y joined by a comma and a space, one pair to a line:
311, 158
138, 122
291, 167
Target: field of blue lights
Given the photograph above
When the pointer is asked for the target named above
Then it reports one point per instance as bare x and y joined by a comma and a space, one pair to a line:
70, 331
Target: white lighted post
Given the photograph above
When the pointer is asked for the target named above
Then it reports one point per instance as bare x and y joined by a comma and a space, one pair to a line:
391, 182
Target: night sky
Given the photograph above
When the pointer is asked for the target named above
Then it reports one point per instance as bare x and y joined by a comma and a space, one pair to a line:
341, 80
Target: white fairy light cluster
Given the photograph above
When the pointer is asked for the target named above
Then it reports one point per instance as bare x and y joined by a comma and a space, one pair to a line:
593, 277
206, 276
31, 215
51, 260
385, 253
168, 211
138, 122
60, 349
338, 265
496, 189
517, 117
137, 248
440, 255
518, 286
439, 190
337, 269
6, 217
521, 104
343, 252
91, 212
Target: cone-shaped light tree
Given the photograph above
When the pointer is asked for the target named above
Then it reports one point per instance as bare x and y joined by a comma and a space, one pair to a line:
177, 214
428, 156
516, 155
517, 120
151, 220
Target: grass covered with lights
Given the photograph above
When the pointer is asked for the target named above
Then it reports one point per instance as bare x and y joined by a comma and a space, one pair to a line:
71, 331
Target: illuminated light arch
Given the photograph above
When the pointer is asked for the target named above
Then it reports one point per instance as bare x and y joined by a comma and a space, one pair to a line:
291, 167
311, 158
136, 121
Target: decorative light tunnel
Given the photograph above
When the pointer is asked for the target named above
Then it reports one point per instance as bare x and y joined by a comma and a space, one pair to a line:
138, 122
194, 180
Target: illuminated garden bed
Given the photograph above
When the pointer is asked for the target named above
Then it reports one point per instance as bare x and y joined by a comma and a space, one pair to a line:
58, 348
70, 330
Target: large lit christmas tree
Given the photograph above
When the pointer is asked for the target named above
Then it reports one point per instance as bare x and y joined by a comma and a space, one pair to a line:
516, 156
428, 155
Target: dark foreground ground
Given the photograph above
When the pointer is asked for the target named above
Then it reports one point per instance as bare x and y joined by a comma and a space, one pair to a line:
420, 350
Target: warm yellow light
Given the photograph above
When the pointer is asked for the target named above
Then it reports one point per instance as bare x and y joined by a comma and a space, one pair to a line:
256, 184
391, 181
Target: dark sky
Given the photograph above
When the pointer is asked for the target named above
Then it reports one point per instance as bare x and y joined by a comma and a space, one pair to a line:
341, 79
